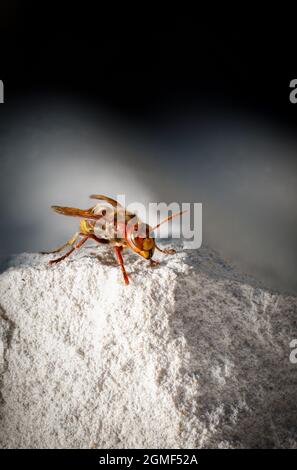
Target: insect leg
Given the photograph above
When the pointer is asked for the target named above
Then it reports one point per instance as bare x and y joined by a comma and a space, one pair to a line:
76, 247
166, 251
68, 243
154, 263
118, 253
97, 239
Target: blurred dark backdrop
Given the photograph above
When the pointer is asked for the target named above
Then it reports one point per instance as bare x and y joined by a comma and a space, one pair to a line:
159, 105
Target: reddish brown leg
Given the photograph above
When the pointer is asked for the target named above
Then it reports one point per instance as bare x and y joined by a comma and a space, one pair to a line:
167, 251
68, 243
118, 253
97, 239
76, 247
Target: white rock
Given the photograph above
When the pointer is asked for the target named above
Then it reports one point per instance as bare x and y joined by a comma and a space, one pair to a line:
190, 354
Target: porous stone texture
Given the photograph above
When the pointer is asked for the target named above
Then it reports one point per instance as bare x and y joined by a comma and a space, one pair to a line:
191, 354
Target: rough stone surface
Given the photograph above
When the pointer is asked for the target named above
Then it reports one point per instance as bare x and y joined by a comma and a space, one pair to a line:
190, 354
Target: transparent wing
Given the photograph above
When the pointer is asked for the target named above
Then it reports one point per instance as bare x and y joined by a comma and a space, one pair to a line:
75, 212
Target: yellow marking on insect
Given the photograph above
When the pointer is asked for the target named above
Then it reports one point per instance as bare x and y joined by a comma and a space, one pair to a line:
85, 227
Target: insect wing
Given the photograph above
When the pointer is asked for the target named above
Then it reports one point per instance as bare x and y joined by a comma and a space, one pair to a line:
75, 212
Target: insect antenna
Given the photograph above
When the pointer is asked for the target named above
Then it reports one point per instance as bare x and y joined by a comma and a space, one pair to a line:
167, 219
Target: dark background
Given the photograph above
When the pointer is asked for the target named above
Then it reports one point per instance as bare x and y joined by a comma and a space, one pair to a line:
191, 106
140, 62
